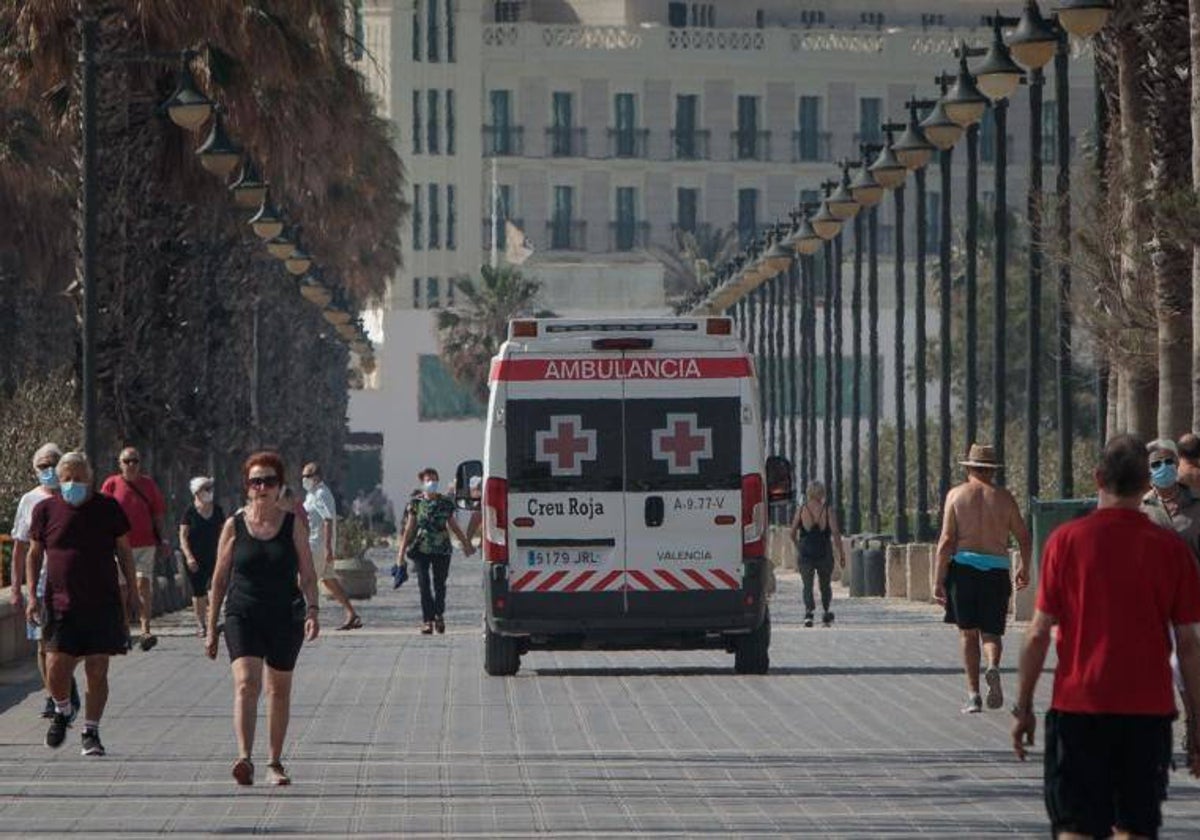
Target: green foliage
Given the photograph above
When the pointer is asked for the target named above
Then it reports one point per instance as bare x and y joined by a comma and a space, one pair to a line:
353, 538
693, 256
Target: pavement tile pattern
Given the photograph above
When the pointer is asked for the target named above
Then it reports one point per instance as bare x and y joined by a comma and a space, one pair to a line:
855, 733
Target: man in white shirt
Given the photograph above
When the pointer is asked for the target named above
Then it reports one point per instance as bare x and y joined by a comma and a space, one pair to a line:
322, 538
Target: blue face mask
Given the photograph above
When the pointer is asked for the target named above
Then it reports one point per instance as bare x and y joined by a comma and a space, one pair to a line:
74, 492
48, 478
1164, 475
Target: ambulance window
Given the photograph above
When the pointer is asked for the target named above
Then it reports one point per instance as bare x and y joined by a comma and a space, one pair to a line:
561, 445
683, 444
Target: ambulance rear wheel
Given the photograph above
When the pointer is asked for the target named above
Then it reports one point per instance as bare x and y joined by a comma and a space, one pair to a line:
501, 656
752, 652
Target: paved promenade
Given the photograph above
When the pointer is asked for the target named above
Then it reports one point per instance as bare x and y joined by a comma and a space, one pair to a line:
856, 733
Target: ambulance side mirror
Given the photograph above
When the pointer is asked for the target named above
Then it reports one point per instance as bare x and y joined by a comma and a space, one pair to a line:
781, 487
468, 485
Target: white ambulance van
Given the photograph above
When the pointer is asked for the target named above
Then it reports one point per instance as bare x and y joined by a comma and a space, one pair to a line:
624, 503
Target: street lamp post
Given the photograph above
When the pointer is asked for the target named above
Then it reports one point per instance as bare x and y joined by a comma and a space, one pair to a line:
868, 192
856, 382
793, 275
1066, 421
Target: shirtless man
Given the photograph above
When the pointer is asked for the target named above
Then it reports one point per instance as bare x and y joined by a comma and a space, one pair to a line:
973, 569
1189, 462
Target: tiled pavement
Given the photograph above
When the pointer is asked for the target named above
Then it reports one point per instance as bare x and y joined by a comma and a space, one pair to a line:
856, 733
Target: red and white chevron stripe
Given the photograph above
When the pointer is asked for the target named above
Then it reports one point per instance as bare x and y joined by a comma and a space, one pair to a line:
637, 580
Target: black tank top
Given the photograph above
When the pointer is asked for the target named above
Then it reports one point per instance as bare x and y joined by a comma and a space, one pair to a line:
264, 572
816, 543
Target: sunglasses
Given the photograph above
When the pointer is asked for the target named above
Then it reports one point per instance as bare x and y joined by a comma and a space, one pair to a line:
131, 460
260, 481
308, 475
1160, 463
40, 467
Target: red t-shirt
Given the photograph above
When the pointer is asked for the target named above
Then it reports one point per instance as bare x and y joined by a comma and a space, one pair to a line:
80, 545
141, 513
1116, 583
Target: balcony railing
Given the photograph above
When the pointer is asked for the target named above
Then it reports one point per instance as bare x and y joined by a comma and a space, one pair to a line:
750, 145
501, 239
566, 141
628, 142
503, 140
690, 145
566, 235
627, 235
811, 146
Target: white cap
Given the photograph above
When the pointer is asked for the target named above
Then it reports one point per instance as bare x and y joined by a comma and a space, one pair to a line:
199, 481
1163, 444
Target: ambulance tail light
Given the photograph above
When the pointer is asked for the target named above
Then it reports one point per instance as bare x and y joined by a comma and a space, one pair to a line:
523, 329
495, 520
754, 516
720, 326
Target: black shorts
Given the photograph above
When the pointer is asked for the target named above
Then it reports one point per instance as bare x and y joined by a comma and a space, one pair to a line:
90, 633
200, 580
1106, 771
977, 600
277, 641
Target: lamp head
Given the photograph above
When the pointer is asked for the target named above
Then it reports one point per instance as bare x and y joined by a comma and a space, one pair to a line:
1035, 40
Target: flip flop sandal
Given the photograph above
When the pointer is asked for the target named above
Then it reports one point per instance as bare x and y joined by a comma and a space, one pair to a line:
353, 624
243, 771
276, 775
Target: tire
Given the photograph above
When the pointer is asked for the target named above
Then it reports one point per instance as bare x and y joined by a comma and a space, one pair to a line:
751, 654
501, 656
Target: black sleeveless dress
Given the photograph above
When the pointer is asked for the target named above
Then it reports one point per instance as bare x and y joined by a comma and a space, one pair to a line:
264, 611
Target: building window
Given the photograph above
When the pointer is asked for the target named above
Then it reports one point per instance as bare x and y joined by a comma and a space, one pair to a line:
416, 293
501, 105
433, 143
561, 119
875, 19
870, 119
810, 197
507, 11
450, 292
435, 226
432, 298
416, 30
689, 143
810, 143
431, 26
747, 216
933, 221
677, 15
686, 200
418, 221
451, 123
625, 238
561, 220
987, 137
451, 219
625, 110
503, 211
417, 127
451, 34
357, 31
748, 143
759, 18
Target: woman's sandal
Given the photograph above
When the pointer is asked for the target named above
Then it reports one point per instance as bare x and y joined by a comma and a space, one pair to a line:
243, 771
353, 624
276, 775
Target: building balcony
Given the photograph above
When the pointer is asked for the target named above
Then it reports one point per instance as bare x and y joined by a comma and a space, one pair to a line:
566, 235
566, 141
627, 235
503, 140
501, 239
628, 142
812, 146
690, 145
750, 145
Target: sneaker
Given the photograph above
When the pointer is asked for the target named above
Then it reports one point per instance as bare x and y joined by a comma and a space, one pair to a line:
147, 641
243, 771
276, 775
439, 624
808, 619
76, 703
427, 629
57, 733
91, 743
974, 705
995, 694
827, 619
48, 709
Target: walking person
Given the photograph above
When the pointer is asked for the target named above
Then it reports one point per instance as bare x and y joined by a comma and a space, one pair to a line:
1169, 502
1115, 585
44, 462
199, 532
77, 533
429, 522
819, 540
139, 496
1189, 461
265, 568
322, 539
973, 569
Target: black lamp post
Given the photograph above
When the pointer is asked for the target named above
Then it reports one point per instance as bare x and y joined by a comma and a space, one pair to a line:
1066, 420
856, 380
868, 193
793, 275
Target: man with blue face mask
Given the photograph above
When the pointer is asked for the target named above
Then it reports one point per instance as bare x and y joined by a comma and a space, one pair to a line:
1170, 503
44, 462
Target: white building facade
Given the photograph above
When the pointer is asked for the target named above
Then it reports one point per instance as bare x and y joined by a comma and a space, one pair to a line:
598, 127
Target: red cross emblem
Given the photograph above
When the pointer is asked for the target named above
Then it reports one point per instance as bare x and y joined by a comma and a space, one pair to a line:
681, 444
566, 445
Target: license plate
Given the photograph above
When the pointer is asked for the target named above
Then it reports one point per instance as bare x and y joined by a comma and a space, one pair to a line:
563, 558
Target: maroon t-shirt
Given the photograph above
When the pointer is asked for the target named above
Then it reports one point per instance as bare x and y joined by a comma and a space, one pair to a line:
80, 545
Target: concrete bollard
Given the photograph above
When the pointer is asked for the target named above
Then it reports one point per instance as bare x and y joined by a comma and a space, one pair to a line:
896, 580
357, 576
1023, 601
917, 564
853, 555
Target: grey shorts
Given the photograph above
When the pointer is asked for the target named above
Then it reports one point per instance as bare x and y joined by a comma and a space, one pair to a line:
143, 561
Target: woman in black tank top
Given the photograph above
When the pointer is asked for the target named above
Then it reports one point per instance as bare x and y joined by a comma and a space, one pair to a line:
265, 568
819, 539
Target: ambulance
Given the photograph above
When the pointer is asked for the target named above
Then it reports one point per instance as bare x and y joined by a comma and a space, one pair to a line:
624, 501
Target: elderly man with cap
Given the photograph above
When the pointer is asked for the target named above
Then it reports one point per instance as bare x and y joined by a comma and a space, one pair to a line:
199, 533
973, 568
1171, 503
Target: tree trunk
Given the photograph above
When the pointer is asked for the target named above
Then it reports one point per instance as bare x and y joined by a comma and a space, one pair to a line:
1194, 30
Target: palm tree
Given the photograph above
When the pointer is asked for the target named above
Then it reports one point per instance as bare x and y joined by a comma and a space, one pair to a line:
471, 333
693, 255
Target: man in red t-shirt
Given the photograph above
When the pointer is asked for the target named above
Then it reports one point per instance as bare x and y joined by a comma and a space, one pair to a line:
142, 502
1115, 584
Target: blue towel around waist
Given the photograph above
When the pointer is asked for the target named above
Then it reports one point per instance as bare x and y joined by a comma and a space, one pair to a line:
983, 562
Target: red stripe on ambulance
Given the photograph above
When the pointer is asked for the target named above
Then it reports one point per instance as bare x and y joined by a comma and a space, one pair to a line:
698, 578
671, 580
585, 369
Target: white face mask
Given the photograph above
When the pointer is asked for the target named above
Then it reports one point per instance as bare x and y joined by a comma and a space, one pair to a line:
309, 484
431, 486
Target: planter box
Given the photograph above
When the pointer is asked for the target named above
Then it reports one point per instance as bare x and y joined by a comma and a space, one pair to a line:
357, 576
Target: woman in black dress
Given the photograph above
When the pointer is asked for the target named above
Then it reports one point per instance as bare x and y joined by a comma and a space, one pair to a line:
264, 563
819, 540
199, 531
